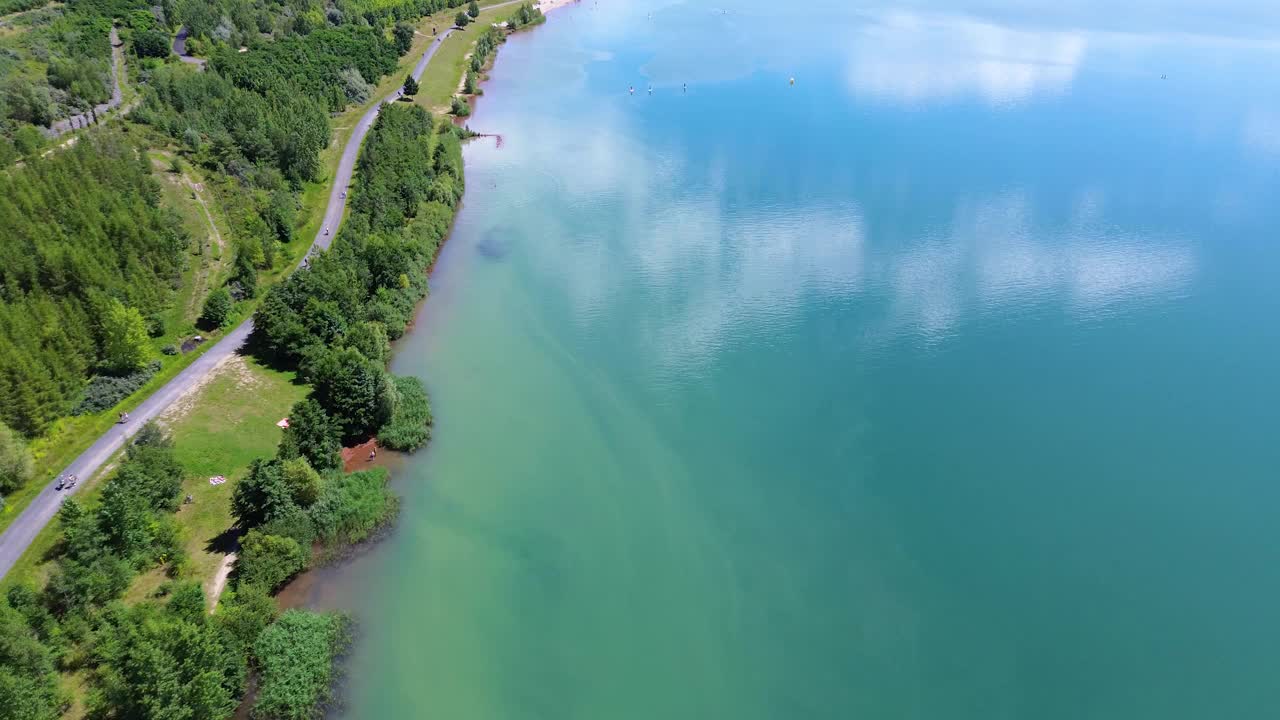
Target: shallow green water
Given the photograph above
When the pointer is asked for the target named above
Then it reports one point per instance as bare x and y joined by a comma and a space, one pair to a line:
939, 384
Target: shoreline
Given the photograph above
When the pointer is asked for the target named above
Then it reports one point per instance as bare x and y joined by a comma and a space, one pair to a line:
301, 591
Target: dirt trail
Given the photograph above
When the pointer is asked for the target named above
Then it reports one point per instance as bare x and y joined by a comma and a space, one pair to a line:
220, 581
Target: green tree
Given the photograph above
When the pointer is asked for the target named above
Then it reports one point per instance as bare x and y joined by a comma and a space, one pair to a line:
461, 19
410, 86
261, 495
28, 684
295, 656
125, 341
217, 309
157, 663
313, 435
469, 86
403, 35
150, 43
244, 613
15, 460
268, 561
473, 9
355, 391
303, 481
370, 338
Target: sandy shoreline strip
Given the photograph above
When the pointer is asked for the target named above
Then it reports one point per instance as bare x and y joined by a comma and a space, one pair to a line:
547, 6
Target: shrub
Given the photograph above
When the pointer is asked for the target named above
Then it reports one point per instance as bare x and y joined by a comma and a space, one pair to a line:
104, 391
268, 561
459, 107
303, 481
15, 460
245, 613
169, 350
155, 325
217, 308
150, 43
410, 424
352, 506
295, 657
125, 340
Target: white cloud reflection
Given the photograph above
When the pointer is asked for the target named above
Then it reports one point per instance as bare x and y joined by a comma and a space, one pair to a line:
713, 272
908, 57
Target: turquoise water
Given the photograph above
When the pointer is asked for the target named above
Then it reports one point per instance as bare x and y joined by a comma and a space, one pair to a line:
939, 384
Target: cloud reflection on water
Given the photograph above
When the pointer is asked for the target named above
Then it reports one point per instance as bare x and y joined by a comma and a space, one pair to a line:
716, 272
912, 58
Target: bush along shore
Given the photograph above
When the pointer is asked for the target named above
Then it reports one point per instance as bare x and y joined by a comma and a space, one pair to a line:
332, 322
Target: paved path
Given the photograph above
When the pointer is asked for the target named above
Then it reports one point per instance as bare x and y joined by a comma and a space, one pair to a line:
180, 48
75, 122
18, 536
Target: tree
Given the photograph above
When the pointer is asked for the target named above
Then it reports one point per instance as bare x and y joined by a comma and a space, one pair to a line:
150, 43
354, 87
410, 86
461, 19
470, 83
355, 391
217, 308
303, 481
313, 435
125, 341
158, 663
370, 338
244, 614
403, 34
28, 684
261, 495
473, 9
268, 561
16, 464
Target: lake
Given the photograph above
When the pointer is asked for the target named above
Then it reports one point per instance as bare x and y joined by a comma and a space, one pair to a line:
888, 361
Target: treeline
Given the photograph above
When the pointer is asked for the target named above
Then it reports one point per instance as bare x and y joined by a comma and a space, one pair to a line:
333, 319
167, 659
88, 258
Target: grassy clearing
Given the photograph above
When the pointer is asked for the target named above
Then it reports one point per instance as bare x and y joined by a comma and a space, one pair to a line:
219, 430
444, 72
208, 259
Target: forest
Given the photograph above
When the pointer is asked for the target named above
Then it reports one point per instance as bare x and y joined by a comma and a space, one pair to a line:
79, 288
332, 321
83, 289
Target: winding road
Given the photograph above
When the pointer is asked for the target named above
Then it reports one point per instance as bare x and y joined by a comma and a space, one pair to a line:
19, 535
180, 48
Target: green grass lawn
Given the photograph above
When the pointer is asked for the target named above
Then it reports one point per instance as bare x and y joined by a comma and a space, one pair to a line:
220, 430
445, 71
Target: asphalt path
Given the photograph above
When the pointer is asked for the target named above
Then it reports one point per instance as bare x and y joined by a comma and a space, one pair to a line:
19, 535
